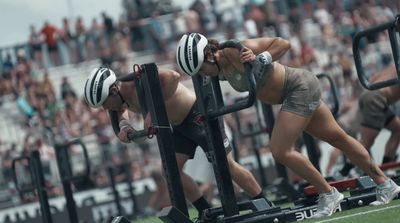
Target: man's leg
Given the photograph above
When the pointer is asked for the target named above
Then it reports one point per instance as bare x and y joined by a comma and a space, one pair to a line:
243, 177
191, 189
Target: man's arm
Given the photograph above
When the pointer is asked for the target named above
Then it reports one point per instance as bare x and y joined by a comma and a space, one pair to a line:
116, 117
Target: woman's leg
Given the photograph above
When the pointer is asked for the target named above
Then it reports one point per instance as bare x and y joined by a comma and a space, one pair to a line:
243, 177
323, 126
288, 127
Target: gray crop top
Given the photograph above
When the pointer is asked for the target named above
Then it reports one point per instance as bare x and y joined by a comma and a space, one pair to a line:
240, 83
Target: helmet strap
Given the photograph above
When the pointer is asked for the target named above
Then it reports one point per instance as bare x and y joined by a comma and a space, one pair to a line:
122, 99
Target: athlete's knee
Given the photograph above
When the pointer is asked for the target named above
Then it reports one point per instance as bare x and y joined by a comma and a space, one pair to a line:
280, 154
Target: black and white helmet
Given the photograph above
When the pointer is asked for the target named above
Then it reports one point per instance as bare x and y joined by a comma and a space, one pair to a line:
190, 52
98, 85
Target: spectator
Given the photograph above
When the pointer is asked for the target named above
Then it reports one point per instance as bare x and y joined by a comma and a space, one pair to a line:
94, 35
178, 25
157, 36
80, 39
321, 14
73, 115
66, 88
35, 46
307, 54
8, 65
193, 21
136, 31
104, 134
67, 40
295, 18
109, 28
47, 86
50, 36
257, 15
250, 27
200, 8
6, 160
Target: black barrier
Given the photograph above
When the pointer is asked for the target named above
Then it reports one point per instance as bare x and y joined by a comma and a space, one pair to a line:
149, 87
129, 180
110, 173
116, 194
335, 97
36, 173
211, 106
239, 105
392, 27
67, 176
155, 104
253, 130
25, 189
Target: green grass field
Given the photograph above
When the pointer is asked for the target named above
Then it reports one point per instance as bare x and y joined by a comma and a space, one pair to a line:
382, 214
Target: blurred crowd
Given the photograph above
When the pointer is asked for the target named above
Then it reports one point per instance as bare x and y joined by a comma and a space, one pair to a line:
320, 33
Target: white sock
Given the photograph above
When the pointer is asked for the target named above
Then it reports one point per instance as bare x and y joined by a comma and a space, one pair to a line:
386, 184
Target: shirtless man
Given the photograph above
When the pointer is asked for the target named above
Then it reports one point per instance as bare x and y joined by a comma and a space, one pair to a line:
103, 89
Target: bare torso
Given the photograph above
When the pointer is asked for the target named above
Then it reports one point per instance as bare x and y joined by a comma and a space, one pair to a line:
177, 106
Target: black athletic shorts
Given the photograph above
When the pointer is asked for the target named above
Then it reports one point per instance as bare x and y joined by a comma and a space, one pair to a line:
192, 133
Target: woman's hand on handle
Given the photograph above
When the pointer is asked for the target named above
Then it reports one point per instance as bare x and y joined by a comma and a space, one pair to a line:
247, 55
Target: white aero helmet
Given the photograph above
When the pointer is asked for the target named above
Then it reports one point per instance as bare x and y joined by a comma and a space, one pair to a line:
190, 52
98, 85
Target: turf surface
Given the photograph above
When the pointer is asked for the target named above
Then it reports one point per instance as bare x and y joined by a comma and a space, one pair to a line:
382, 214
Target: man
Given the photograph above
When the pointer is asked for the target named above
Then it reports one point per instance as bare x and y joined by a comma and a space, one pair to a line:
103, 89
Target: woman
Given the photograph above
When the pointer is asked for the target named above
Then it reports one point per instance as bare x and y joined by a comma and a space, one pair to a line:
302, 109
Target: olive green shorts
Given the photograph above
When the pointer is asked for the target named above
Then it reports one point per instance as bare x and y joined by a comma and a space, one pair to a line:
301, 92
375, 110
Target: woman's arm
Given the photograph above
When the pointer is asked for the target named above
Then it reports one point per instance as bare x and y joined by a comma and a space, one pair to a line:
276, 46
